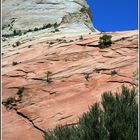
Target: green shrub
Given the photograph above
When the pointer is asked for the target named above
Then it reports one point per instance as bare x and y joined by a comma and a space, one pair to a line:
57, 30
63, 133
86, 75
13, 45
81, 37
49, 79
17, 43
20, 92
19, 32
30, 30
113, 72
14, 63
116, 120
92, 125
55, 25
97, 70
9, 101
36, 29
15, 33
47, 26
105, 41
29, 46
121, 115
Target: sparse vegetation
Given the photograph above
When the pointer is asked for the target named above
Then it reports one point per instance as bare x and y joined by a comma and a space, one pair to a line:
113, 72
20, 92
71, 40
117, 119
19, 32
3, 39
13, 45
15, 33
29, 30
55, 25
36, 29
86, 10
86, 75
49, 79
46, 26
105, 41
14, 63
81, 37
8, 103
17, 43
56, 30
97, 70
29, 46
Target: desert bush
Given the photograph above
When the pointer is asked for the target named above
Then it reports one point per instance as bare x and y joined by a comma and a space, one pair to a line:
17, 43
13, 45
29, 30
86, 75
92, 126
15, 33
121, 114
49, 79
81, 37
57, 30
36, 29
9, 101
55, 25
14, 63
117, 119
63, 133
20, 92
29, 46
105, 41
113, 72
45, 26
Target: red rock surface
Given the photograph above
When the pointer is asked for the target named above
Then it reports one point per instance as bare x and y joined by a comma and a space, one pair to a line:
81, 72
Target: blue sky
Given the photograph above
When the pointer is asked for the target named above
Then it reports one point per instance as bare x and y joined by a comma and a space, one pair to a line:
114, 15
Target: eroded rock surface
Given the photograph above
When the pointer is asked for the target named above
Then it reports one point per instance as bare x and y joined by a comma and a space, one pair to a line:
28, 20
25, 15
79, 72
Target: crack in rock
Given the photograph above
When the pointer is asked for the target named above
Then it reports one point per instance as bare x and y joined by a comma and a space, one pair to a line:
29, 120
64, 117
116, 81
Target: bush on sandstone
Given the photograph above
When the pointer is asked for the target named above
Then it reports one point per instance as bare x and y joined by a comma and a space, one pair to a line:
14, 63
9, 101
20, 92
113, 72
49, 79
105, 41
117, 120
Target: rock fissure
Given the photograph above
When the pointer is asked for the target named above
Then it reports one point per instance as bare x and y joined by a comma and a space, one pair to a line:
29, 120
65, 117
124, 81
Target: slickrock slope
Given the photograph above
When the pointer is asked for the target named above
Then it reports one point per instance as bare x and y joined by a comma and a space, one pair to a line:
81, 72
28, 20
67, 15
